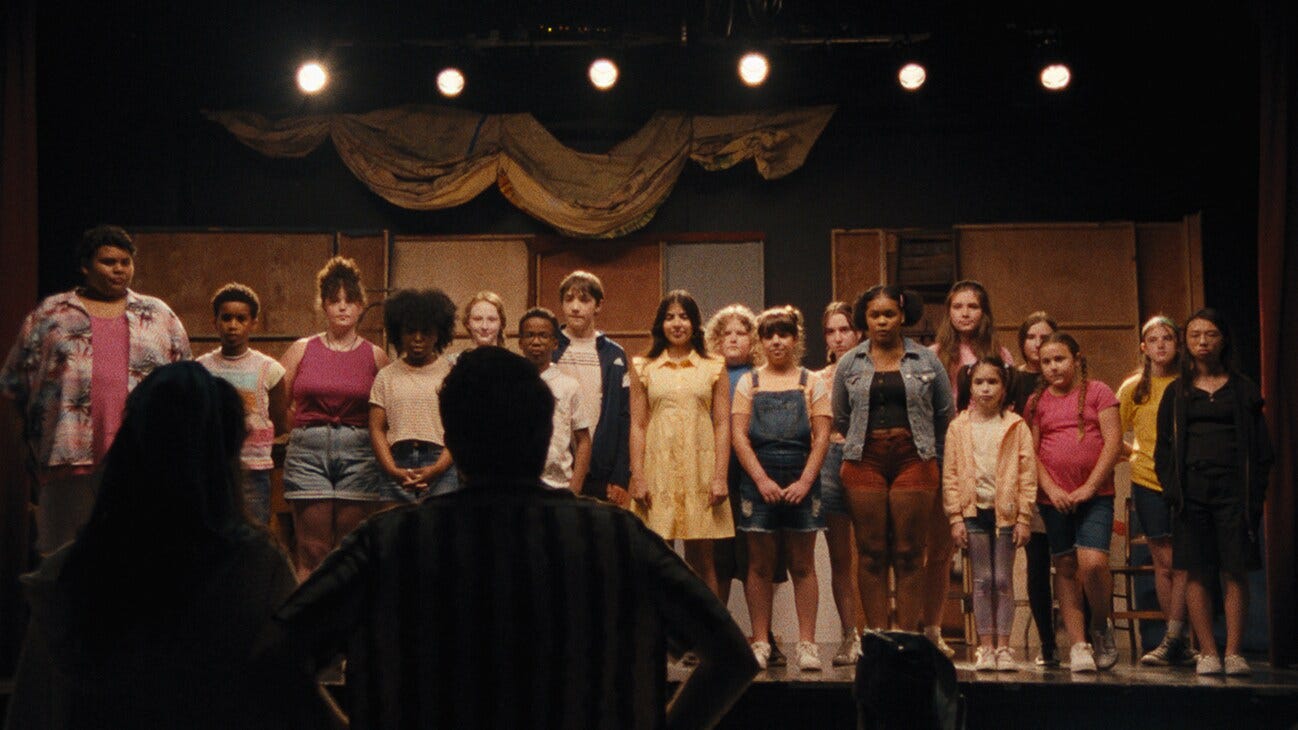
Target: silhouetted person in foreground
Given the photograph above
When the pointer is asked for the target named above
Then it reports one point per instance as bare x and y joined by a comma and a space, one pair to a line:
148, 619
506, 605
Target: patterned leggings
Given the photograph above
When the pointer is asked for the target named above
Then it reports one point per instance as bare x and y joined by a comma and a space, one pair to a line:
992, 554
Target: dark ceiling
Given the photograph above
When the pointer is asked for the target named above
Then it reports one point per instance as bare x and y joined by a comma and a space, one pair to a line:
531, 56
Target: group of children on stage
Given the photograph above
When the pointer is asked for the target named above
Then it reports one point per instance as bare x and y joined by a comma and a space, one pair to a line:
900, 453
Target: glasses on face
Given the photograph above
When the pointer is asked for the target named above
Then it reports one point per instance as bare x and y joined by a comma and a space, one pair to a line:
534, 335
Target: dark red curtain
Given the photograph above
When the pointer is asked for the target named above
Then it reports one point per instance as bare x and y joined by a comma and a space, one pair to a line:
18, 250
1278, 309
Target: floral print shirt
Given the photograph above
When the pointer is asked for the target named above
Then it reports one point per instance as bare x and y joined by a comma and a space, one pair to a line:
47, 373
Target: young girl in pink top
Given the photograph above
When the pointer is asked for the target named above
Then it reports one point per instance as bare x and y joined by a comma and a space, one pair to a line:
1078, 434
989, 482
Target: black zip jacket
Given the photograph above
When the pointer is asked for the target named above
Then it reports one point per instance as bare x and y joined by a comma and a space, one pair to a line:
1255, 454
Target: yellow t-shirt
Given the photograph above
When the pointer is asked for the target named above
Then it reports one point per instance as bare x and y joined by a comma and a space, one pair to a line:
1142, 420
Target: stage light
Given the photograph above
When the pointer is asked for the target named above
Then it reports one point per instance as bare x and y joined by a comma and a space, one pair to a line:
603, 74
312, 77
450, 81
1056, 76
753, 69
912, 76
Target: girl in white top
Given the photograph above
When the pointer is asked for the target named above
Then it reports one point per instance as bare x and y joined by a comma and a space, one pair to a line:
989, 482
405, 420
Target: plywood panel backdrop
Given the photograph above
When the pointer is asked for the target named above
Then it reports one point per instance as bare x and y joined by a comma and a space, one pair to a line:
632, 278
185, 268
463, 266
859, 261
370, 251
1082, 273
717, 274
1171, 275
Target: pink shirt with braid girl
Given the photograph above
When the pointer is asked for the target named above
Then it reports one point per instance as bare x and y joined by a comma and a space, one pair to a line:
1071, 442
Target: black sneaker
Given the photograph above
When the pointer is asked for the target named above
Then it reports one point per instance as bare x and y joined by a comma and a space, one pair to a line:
777, 657
1049, 658
1171, 652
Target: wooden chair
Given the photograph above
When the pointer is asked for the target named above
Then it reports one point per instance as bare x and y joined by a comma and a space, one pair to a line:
1128, 617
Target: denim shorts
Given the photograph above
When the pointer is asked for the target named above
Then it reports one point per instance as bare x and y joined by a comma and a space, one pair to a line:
755, 515
413, 454
1154, 513
1088, 526
335, 462
256, 494
831, 483
984, 523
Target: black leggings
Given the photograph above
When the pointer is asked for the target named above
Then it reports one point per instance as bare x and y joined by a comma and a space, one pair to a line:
1039, 593
1040, 589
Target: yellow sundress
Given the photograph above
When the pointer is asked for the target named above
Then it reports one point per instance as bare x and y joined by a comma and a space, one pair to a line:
679, 448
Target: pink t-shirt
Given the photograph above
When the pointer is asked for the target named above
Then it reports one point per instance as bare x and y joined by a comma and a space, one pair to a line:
108, 380
334, 387
1068, 460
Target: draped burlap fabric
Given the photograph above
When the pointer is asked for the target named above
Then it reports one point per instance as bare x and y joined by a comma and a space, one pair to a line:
426, 158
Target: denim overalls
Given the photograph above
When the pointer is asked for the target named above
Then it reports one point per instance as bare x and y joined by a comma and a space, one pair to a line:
779, 430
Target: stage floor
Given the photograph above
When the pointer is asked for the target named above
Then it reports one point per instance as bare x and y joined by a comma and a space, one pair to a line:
1127, 696
1124, 674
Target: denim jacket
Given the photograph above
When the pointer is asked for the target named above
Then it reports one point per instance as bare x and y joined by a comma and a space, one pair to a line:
929, 405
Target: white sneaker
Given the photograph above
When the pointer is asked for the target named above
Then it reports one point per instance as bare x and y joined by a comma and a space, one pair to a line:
1237, 666
849, 650
1005, 660
1106, 646
1208, 664
1081, 658
808, 656
762, 653
934, 634
985, 659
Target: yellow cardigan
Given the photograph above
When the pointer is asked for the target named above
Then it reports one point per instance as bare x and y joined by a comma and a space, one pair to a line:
1016, 473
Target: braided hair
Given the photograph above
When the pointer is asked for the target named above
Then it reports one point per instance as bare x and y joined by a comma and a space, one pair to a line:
1065, 339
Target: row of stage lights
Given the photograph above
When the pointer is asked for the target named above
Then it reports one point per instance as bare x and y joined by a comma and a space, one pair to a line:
753, 69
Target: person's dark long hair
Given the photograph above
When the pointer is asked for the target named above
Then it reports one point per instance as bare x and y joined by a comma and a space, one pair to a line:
691, 307
1228, 364
169, 506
